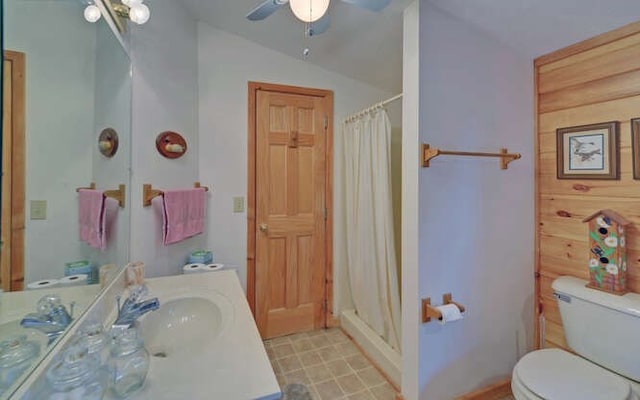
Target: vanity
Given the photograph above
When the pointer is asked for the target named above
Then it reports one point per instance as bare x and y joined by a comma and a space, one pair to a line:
203, 341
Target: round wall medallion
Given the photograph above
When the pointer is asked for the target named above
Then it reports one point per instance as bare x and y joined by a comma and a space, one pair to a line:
108, 142
171, 144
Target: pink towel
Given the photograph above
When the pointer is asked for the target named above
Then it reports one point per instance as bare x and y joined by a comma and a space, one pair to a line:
91, 218
183, 214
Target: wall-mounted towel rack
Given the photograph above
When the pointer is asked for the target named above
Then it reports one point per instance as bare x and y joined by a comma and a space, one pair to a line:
429, 152
148, 192
117, 194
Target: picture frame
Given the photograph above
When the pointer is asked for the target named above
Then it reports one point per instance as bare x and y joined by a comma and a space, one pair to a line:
588, 151
635, 146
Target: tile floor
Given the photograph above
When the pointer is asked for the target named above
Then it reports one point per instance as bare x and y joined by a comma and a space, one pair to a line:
329, 364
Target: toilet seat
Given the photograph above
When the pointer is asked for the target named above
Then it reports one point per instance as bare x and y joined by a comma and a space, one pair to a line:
555, 374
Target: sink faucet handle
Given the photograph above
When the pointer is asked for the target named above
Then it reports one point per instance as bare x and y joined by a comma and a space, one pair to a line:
47, 304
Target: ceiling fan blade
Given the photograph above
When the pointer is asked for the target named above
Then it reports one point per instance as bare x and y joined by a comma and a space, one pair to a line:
373, 5
264, 9
320, 26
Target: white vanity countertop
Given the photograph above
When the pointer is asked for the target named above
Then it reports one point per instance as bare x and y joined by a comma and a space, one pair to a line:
236, 366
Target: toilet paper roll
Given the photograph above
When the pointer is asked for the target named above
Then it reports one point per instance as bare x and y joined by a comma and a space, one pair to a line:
212, 267
193, 268
45, 283
73, 280
450, 313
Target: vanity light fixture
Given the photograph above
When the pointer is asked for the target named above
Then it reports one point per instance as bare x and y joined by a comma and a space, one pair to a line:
92, 13
309, 10
135, 10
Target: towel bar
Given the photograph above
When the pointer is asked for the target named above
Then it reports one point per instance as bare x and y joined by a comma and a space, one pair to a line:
149, 193
117, 194
429, 153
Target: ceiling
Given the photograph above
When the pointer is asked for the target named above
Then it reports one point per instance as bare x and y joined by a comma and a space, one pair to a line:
367, 46
356, 40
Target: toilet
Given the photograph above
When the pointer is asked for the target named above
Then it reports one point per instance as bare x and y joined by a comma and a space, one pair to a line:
604, 331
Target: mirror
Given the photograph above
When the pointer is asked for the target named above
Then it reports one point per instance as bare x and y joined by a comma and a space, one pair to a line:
65, 81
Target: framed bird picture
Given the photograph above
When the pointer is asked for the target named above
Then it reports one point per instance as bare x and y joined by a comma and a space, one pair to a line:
635, 146
588, 151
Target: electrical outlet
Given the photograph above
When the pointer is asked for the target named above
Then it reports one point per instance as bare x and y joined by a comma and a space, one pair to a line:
38, 209
238, 204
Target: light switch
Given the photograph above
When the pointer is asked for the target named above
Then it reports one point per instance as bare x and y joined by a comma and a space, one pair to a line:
38, 209
238, 204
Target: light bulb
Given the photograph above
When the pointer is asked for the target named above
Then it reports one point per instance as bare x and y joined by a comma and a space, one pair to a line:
92, 13
309, 10
139, 13
131, 3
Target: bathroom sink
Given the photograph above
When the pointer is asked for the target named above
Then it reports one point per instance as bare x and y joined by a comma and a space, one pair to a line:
183, 326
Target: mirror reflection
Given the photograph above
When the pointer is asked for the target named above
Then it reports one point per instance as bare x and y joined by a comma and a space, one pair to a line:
66, 126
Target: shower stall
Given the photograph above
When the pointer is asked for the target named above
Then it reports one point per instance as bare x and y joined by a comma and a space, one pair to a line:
368, 266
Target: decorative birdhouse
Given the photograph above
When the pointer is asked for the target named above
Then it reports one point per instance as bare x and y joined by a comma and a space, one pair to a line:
608, 254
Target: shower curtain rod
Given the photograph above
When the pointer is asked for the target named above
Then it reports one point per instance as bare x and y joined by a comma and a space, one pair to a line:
373, 107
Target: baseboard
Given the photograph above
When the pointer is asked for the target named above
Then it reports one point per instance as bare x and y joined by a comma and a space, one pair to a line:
495, 391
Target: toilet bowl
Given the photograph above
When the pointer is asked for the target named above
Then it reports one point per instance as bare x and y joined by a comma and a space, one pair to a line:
602, 329
554, 374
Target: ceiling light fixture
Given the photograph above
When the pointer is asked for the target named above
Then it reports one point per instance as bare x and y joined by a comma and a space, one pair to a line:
309, 10
135, 10
92, 13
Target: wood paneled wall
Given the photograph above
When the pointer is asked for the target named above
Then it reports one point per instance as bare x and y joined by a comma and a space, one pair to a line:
593, 81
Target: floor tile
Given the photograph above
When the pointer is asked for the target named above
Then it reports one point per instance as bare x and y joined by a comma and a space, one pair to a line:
371, 377
357, 362
339, 368
329, 390
350, 384
289, 363
329, 364
383, 392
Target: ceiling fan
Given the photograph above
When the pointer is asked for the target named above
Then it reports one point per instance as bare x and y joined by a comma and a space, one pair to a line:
312, 12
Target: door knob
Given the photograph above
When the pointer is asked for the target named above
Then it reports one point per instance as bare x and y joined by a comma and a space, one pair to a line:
263, 227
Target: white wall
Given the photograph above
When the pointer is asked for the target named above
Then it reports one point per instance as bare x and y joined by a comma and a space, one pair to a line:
226, 63
164, 55
410, 202
476, 220
60, 72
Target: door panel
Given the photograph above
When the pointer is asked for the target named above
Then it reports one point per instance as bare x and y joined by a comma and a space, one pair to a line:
290, 253
13, 169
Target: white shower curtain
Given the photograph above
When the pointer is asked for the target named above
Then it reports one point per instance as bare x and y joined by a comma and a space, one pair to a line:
370, 252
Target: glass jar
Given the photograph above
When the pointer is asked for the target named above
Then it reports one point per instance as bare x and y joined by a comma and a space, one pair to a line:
75, 374
97, 340
16, 355
129, 362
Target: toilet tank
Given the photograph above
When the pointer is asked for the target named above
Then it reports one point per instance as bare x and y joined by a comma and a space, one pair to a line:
601, 327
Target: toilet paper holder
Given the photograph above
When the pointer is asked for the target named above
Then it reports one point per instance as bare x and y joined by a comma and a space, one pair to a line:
429, 311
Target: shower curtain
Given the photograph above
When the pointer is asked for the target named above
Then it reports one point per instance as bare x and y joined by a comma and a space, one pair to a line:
368, 223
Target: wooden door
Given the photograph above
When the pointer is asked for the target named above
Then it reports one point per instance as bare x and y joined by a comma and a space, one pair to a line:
12, 229
291, 209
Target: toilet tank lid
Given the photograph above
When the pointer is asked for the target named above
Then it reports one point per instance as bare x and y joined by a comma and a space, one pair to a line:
557, 374
574, 287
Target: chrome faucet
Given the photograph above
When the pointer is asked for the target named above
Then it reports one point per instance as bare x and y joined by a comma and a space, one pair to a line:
51, 317
133, 308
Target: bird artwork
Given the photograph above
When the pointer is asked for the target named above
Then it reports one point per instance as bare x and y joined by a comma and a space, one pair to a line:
584, 150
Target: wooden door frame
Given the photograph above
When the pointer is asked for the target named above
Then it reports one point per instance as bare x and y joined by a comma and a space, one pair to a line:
17, 221
253, 88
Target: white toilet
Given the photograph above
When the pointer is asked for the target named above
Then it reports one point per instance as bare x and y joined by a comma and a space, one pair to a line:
604, 329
